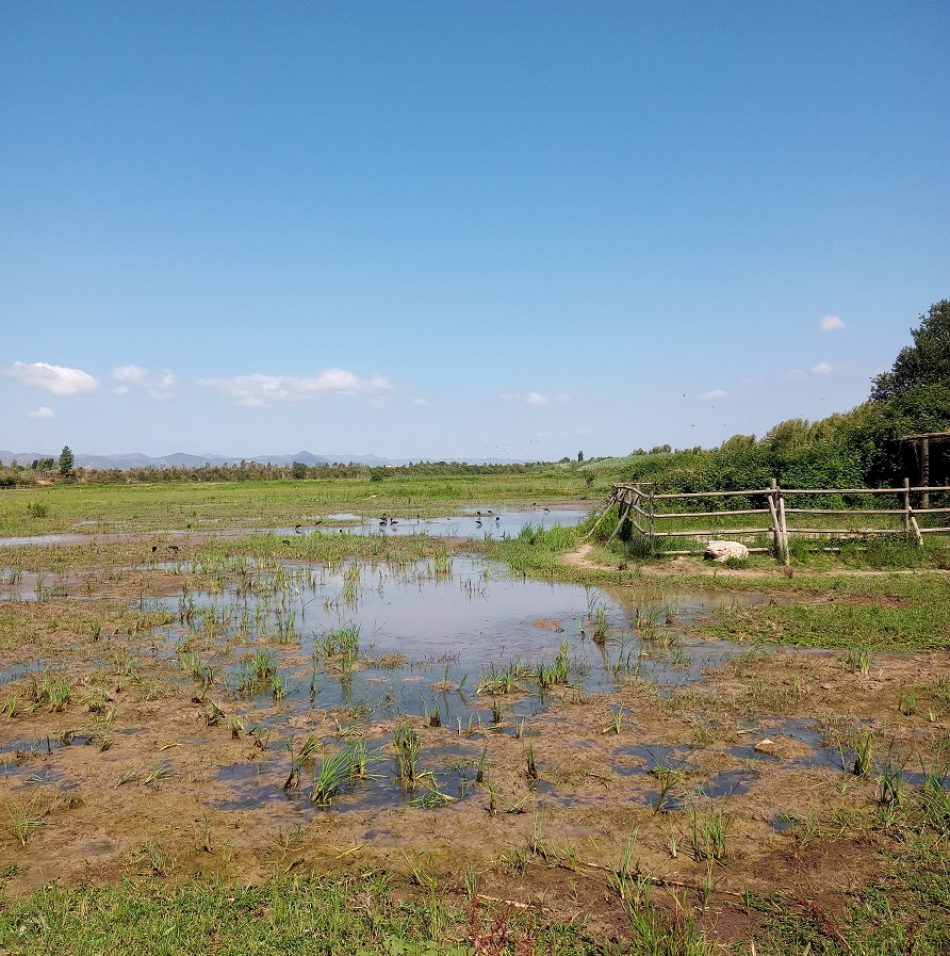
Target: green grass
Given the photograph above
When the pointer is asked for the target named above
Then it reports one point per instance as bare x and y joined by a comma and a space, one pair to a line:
299, 917
922, 624
904, 907
206, 506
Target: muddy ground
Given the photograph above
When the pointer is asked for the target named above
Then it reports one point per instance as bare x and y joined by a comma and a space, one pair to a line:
739, 783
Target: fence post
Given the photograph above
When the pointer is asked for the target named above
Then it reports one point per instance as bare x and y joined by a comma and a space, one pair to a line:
652, 521
907, 507
786, 556
773, 514
624, 511
910, 519
925, 470
776, 501
610, 503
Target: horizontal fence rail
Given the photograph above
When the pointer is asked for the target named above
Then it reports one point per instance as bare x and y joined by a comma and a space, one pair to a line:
644, 510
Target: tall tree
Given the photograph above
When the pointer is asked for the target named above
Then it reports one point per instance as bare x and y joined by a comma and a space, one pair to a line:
66, 461
925, 363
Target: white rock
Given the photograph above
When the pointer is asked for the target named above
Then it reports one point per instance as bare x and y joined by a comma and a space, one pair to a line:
722, 551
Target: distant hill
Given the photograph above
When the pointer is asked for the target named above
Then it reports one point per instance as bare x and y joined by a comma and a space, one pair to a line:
181, 459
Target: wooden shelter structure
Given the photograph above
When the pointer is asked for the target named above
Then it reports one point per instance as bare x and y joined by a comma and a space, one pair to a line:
920, 447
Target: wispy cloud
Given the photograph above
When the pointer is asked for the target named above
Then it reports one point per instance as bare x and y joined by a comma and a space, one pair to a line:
252, 391
55, 379
41, 413
831, 323
714, 393
421, 401
535, 398
798, 375
157, 384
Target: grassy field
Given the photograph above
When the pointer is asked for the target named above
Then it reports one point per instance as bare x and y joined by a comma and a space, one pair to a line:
784, 792
144, 507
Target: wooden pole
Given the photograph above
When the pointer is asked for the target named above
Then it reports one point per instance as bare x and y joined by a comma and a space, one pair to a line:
652, 520
623, 518
773, 512
786, 557
925, 469
603, 515
907, 515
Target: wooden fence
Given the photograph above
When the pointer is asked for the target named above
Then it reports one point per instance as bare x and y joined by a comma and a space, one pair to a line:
647, 511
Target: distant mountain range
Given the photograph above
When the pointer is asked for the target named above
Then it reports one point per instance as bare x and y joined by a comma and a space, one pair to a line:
183, 460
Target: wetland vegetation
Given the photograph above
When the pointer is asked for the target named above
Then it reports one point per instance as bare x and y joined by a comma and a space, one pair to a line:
346, 737
443, 709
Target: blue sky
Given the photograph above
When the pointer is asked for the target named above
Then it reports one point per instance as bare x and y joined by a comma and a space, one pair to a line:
448, 229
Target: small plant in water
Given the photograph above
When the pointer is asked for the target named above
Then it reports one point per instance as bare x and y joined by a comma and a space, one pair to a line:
616, 722
330, 777
863, 754
891, 783
406, 742
298, 759
480, 769
859, 658
432, 714
667, 778
531, 767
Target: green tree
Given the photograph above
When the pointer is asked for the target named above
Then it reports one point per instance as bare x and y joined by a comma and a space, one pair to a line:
66, 461
580, 456
925, 363
298, 470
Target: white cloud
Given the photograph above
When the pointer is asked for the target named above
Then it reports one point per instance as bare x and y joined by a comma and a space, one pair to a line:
41, 412
822, 368
253, 391
535, 398
421, 402
715, 393
832, 323
157, 384
55, 379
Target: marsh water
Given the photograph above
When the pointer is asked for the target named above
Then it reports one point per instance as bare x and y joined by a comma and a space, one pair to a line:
461, 640
428, 625
473, 524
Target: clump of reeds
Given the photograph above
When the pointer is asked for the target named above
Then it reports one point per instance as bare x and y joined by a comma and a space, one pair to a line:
297, 760
863, 754
406, 742
330, 777
432, 714
709, 832
531, 767
859, 658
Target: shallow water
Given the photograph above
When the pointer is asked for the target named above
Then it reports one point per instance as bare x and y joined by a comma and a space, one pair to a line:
469, 525
475, 524
430, 632
420, 626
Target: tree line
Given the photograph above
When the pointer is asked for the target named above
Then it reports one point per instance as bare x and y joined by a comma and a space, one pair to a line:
859, 448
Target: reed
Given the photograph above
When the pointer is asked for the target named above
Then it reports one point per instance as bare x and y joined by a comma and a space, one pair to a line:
330, 778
